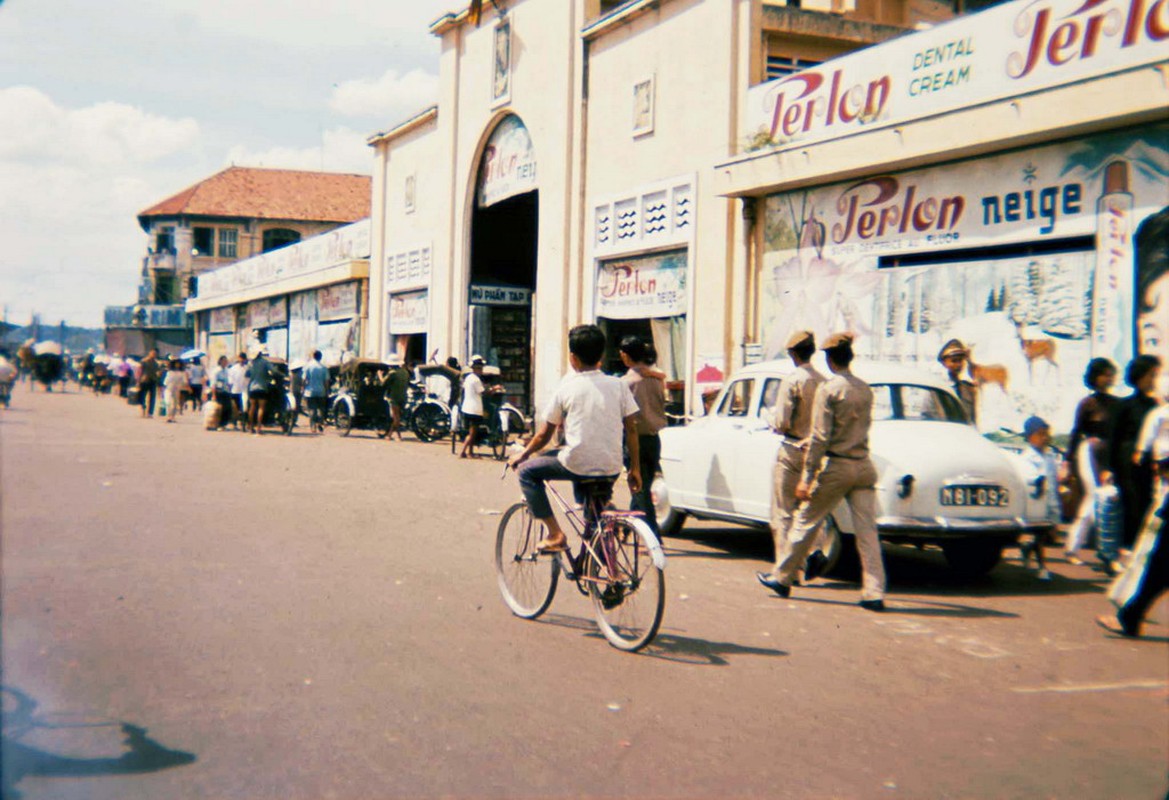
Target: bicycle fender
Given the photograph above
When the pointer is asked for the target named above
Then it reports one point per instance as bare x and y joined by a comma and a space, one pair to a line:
656, 554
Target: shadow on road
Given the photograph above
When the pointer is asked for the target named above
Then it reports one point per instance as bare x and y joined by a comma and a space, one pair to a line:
140, 754
671, 646
904, 606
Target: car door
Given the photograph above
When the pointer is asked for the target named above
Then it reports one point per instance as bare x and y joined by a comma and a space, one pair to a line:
730, 417
755, 445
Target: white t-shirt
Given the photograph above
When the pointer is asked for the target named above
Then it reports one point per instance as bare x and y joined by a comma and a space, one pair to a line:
592, 407
472, 395
237, 376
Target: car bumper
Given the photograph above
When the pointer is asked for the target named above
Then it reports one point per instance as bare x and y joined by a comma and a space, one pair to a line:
950, 528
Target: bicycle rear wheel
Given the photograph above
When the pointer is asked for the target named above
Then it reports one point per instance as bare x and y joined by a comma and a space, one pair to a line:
630, 598
527, 580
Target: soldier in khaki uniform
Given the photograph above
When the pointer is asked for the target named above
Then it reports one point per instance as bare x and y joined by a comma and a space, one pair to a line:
837, 466
792, 421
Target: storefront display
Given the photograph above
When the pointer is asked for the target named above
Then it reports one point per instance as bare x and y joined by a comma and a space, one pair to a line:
500, 330
1027, 257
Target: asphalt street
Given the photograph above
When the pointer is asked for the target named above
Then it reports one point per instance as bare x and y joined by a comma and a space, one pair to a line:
192, 614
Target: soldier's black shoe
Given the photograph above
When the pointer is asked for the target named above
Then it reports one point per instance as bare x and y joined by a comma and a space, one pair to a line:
772, 584
814, 566
873, 605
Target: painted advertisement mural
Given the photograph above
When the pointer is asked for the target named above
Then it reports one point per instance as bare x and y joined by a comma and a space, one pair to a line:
1030, 258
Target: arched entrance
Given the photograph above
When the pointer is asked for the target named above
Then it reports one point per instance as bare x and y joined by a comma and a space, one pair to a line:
502, 277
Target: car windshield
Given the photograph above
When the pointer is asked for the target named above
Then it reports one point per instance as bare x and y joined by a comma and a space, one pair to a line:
902, 401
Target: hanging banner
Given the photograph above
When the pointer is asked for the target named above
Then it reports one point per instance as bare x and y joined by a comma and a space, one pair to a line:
278, 311
222, 319
509, 163
337, 302
642, 287
1012, 49
258, 314
409, 312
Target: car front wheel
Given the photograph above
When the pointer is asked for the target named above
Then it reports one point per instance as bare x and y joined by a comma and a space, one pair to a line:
670, 519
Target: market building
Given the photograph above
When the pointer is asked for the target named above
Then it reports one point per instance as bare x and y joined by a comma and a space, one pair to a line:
303, 297
233, 215
565, 176
1002, 179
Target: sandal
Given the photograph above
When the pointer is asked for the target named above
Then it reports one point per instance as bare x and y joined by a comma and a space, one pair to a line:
545, 546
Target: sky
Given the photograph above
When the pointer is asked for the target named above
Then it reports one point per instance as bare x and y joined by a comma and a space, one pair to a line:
109, 107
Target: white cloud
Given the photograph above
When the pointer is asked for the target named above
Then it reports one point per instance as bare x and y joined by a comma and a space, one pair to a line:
74, 180
341, 150
32, 126
391, 98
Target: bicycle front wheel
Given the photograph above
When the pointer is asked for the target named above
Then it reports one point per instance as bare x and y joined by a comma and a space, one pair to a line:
627, 588
527, 580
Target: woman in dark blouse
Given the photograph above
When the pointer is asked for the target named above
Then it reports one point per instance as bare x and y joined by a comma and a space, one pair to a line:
1089, 447
1135, 481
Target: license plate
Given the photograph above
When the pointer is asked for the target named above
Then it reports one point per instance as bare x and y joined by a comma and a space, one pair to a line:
976, 496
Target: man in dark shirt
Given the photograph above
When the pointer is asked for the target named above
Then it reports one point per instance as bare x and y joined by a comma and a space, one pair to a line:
259, 380
953, 357
148, 383
396, 383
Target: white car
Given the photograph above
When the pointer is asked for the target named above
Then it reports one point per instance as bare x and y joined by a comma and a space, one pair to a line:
941, 482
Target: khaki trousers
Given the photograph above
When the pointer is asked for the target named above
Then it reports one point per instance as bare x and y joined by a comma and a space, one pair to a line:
852, 480
788, 466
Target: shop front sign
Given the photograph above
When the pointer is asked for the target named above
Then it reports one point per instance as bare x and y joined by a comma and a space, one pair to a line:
1006, 51
642, 287
487, 295
337, 302
346, 243
509, 163
409, 312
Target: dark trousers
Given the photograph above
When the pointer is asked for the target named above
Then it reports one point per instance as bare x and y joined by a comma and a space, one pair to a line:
649, 450
1154, 581
147, 394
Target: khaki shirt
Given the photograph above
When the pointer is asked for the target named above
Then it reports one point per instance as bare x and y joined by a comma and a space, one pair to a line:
793, 403
842, 413
650, 394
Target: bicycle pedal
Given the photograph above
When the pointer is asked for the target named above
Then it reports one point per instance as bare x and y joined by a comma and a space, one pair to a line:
613, 596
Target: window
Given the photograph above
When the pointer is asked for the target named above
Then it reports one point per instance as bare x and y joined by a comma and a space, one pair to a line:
164, 240
164, 289
275, 238
228, 238
915, 403
737, 400
781, 66
202, 241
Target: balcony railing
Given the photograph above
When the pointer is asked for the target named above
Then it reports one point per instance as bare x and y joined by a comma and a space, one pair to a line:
146, 316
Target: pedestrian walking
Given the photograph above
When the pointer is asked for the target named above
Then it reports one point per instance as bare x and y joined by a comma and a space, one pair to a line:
648, 388
123, 372
259, 381
1089, 448
594, 409
219, 385
238, 379
1042, 460
196, 375
396, 385
316, 391
471, 407
174, 384
954, 357
792, 420
1134, 478
837, 467
1146, 579
149, 371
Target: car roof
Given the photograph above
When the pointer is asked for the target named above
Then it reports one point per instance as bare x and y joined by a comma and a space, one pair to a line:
869, 371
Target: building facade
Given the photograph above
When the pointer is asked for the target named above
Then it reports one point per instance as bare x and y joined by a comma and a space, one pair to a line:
1002, 179
231, 216
565, 177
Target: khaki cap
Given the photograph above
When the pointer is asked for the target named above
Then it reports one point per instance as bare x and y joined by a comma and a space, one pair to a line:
800, 339
954, 347
835, 340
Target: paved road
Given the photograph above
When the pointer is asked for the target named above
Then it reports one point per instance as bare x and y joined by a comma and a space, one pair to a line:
212, 615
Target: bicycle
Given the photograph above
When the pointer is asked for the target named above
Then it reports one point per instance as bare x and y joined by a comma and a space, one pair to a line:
620, 565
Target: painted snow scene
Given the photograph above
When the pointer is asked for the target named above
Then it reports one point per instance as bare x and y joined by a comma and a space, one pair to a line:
1026, 258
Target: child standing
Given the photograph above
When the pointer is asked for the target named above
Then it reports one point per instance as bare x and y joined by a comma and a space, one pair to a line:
173, 387
1042, 459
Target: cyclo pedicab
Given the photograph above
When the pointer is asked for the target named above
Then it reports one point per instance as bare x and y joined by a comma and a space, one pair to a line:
280, 409
360, 401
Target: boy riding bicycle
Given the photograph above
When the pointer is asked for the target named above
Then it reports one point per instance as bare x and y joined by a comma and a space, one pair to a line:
593, 408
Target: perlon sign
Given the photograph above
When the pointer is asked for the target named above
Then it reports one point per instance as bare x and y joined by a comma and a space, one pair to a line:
509, 163
1006, 51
